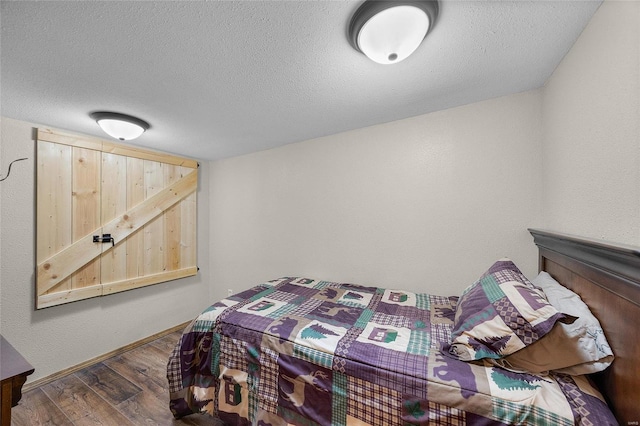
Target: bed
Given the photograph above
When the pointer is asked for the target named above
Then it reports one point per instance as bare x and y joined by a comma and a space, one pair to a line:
311, 352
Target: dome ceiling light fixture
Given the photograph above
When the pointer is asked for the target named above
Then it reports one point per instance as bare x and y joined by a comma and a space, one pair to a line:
120, 126
389, 31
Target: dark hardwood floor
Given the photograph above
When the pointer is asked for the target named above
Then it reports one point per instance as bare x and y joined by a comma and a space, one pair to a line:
128, 389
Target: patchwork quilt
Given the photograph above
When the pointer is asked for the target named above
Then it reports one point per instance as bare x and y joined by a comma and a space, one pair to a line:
308, 352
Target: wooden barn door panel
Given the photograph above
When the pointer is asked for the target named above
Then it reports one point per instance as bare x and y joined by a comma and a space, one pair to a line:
149, 231
113, 261
157, 227
135, 195
179, 237
172, 228
188, 230
68, 185
154, 230
85, 212
87, 187
53, 198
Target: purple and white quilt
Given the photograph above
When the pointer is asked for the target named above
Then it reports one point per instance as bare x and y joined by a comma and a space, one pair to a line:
307, 352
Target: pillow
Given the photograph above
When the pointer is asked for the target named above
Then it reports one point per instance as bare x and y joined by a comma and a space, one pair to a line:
500, 314
578, 348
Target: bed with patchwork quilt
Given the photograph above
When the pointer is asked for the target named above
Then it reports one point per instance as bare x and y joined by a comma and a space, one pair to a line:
309, 352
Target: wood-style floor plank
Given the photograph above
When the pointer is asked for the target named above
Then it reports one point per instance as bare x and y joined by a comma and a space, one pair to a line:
129, 389
145, 366
167, 343
108, 384
81, 404
147, 406
37, 409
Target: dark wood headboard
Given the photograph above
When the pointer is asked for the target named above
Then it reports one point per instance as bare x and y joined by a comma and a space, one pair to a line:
607, 277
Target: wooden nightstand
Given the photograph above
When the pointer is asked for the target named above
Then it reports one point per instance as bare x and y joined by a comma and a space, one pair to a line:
14, 370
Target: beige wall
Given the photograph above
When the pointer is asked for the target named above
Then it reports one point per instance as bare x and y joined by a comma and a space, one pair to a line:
414, 203
591, 144
426, 203
62, 336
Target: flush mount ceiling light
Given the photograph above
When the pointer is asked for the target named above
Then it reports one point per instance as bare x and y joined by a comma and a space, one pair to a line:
120, 126
389, 31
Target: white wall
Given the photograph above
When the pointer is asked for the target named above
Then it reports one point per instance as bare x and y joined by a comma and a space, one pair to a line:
591, 116
413, 203
56, 338
427, 203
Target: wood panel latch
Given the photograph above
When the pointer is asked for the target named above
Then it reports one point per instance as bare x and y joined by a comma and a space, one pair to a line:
106, 238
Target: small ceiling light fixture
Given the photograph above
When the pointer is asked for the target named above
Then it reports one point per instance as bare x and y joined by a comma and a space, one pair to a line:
389, 31
120, 126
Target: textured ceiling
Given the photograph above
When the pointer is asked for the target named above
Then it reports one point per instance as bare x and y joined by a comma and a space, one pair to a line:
222, 78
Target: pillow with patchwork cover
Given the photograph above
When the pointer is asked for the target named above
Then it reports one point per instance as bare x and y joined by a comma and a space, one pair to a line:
500, 314
574, 349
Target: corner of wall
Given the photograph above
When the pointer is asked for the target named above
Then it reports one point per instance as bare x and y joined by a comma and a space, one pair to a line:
591, 136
